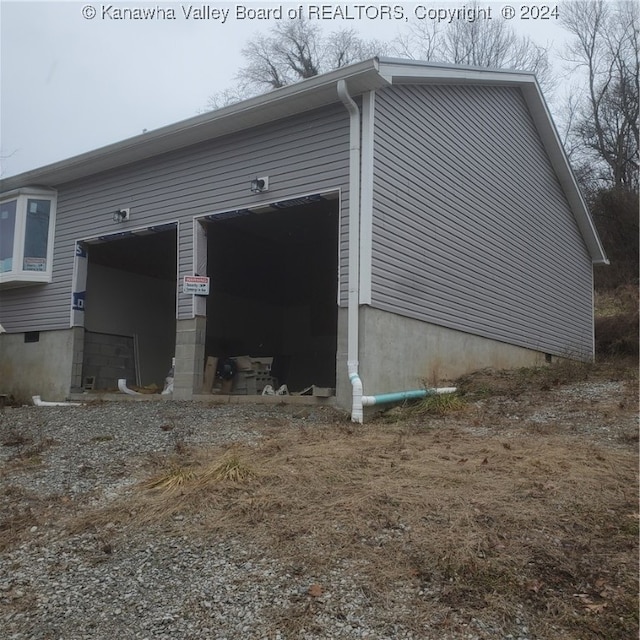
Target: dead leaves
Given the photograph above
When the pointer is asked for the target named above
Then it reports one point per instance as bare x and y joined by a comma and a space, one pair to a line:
534, 585
589, 604
596, 602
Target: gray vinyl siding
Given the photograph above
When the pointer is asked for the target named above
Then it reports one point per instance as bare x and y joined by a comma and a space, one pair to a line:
301, 155
471, 229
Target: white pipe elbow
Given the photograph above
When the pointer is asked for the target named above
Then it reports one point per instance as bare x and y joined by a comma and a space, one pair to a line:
122, 386
357, 413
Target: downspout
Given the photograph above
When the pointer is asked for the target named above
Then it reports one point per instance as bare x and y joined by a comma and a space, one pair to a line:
354, 250
359, 400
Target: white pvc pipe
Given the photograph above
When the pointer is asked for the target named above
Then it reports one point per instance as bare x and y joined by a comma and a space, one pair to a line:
122, 385
354, 249
168, 381
168, 387
38, 402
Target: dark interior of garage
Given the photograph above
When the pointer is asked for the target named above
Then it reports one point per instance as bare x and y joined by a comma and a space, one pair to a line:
274, 280
130, 308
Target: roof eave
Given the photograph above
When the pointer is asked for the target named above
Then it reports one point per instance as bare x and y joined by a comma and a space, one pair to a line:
400, 71
555, 150
296, 98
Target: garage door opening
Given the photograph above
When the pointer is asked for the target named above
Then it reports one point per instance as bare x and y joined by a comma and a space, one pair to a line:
274, 287
130, 308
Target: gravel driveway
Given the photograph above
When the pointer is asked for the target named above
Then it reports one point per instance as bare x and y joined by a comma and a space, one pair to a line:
60, 586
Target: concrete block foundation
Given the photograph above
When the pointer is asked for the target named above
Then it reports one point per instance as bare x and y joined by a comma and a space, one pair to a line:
38, 363
190, 345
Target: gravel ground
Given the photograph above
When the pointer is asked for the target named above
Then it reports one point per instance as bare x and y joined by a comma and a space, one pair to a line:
148, 584
57, 585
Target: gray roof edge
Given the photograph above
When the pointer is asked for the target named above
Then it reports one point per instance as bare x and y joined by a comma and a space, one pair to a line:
167, 138
550, 137
453, 69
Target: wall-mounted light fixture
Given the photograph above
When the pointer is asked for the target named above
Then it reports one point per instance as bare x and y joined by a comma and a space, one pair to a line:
121, 215
258, 185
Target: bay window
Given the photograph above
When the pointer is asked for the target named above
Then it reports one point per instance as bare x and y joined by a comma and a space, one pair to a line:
27, 220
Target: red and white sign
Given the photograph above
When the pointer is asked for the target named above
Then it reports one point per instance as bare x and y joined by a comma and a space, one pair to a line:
197, 285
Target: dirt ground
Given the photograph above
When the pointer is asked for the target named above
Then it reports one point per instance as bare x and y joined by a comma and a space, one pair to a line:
517, 500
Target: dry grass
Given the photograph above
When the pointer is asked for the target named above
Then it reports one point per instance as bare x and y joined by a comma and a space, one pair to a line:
472, 509
482, 524
26, 452
177, 478
439, 404
229, 469
182, 479
616, 322
491, 382
613, 302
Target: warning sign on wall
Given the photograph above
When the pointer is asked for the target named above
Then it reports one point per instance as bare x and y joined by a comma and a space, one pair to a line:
197, 285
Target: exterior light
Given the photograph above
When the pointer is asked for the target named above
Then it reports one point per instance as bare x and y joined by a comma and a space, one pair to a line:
258, 185
121, 215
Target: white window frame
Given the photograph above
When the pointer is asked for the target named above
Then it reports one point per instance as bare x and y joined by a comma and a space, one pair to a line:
18, 276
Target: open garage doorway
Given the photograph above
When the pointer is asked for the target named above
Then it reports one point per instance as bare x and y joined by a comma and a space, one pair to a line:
130, 308
274, 289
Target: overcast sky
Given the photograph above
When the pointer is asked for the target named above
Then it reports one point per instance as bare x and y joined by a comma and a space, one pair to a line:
72, 81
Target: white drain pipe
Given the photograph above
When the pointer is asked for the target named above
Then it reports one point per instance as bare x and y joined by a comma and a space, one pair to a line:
357, 413
122, 386
39, 402
354, 249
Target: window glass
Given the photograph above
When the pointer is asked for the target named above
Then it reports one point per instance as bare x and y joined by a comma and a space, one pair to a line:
7, 229
36, 235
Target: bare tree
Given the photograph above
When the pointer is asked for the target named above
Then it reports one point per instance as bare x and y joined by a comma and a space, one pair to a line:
226, 97
495, 44
345, 47
605, 125
292, 51
421, 41
479, 43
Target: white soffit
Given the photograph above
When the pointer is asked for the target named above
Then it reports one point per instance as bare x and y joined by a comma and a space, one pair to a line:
414, 72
